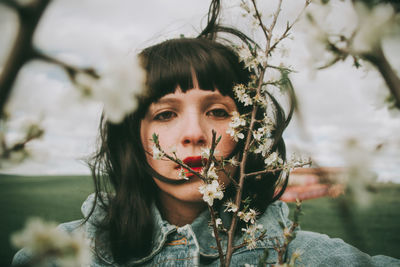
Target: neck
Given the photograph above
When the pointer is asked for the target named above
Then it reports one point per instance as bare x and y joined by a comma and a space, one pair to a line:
178, 212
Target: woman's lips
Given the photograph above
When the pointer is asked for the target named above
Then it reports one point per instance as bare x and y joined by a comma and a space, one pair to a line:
196, 163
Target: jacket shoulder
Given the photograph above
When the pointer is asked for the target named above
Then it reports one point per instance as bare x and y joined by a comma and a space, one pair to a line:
316, 249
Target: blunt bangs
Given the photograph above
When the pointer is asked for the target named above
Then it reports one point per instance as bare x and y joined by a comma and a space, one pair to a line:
178, 62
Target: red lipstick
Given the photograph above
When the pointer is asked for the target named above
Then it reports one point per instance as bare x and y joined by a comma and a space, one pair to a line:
196, 163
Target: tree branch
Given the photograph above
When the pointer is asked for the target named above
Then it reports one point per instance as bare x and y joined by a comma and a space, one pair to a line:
275, 170
258, 15
217, 238
22, 50
238, 198
378, 59
290, 26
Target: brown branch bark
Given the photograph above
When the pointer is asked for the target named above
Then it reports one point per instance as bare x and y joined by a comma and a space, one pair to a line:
258, 15
70, 69
22, 50
260, 237
275, 170
181, 163
217, 238
379, 60
238, 198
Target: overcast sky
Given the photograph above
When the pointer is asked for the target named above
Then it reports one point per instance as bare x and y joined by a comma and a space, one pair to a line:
336, 104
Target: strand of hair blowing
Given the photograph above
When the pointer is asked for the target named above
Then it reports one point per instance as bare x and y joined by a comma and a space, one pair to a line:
129, 219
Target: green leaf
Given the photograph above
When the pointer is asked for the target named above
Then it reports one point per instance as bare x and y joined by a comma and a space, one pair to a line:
155, 138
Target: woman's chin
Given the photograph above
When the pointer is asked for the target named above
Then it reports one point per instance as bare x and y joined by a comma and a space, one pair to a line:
185, 192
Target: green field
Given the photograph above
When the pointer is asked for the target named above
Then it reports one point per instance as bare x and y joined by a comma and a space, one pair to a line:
58, 198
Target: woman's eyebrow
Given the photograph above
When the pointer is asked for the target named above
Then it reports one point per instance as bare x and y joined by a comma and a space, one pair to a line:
212, 98
163, 101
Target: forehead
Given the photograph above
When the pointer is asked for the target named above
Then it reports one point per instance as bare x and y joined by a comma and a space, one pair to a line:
194, 94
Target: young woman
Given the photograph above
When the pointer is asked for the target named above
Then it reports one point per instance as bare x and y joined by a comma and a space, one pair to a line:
151, 216
143, 214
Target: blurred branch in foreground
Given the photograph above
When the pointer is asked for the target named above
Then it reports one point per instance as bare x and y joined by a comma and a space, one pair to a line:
22, 51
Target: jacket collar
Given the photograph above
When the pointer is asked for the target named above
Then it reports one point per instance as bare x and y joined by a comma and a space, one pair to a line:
277, 212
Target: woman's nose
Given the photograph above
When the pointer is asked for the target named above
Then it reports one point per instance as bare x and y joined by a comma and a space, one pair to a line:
193, 131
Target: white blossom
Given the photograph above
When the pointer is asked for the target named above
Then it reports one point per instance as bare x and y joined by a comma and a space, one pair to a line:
241, 95
172, 149
248, 216
120, 82
263, 147
233, 161
257, 135
268, 122
251, 61
259, 98
273, 75
373, 24
273, 159
252, 229
212, 172
218, 222
157, 153
251, 243
317, 34
235, 134
250, 235
211, 191
261, 132
237, 120
231, 207
48, 242
244, 54
359, 173
261, 57
182, 174
205, 153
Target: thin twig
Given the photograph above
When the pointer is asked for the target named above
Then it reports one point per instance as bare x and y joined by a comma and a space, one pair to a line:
214, 144
275, 169
260, 237
274, 20
228, 174
232, 229
289, 235
177, 161
70, 69
286, 33
217, 238
258, 15
238, 198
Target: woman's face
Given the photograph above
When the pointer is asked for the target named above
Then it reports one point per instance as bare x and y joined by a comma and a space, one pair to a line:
184, 122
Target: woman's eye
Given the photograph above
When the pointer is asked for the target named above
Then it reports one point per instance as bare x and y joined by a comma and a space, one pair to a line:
219, 113
164, 116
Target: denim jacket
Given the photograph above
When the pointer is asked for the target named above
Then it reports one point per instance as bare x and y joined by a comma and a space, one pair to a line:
194, 244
